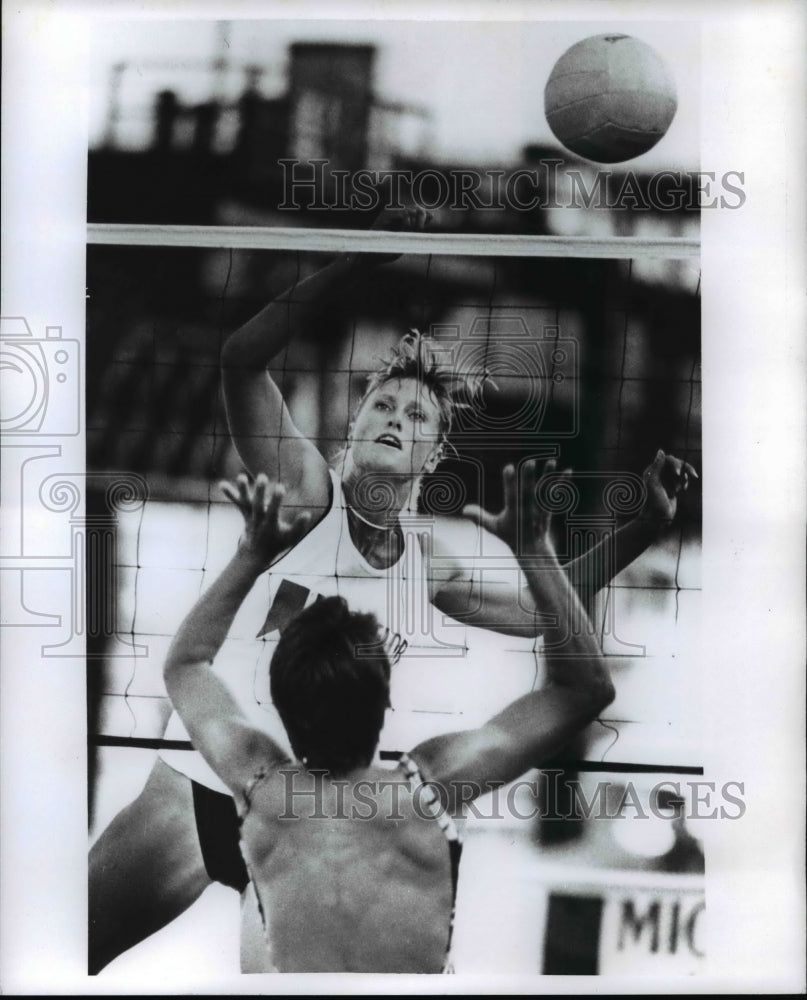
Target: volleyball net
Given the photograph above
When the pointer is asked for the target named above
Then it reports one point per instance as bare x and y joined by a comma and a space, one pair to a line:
593, 352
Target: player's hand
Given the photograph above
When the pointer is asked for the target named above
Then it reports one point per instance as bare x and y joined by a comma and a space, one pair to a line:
522, 523
408, 220
665, 479
413, 219
266, 532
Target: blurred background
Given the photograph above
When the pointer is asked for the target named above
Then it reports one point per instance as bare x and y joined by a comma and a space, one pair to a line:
459, 91
188, 123
596, 361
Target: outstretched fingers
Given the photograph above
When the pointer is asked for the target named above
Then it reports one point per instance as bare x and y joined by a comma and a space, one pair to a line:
274, 525
537, 518
541, 517
531, 513
238, 492
259, 492
677, 474
260, 502
522, 522
229, 491
503, 523
271, 507
510, 489
687, 471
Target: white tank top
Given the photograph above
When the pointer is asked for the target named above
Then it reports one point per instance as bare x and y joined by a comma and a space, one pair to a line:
429, 647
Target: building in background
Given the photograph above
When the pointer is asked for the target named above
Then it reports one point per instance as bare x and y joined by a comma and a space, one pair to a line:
156, 318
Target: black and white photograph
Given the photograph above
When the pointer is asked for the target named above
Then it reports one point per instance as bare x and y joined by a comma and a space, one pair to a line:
400, 501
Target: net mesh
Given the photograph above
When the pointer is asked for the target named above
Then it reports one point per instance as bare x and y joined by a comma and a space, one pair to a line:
593, 360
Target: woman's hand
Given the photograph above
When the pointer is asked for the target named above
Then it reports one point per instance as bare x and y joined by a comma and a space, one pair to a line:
665, 479
407, 220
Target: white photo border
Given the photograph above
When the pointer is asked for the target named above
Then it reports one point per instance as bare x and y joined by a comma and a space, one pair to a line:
754, 495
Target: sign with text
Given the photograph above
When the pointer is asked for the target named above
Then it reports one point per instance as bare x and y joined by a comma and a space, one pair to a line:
634, 929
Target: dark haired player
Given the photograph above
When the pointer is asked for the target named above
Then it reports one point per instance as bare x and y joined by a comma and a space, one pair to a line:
350, 865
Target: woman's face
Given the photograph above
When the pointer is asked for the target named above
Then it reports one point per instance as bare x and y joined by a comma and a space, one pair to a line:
397, 429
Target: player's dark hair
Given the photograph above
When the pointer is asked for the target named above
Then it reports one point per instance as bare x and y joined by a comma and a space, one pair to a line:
329, 679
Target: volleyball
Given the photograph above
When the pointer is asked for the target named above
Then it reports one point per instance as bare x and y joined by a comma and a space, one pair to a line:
610, 98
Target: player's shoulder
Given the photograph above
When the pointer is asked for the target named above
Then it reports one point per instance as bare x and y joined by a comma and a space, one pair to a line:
461, 537
454, 535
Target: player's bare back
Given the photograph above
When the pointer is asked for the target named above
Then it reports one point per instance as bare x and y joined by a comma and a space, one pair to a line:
327, 846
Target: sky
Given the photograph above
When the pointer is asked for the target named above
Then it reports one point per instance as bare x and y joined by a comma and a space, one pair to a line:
483, 82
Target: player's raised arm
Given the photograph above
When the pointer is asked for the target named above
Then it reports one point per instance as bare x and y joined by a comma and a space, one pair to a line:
507, 608
260, 424
508, 604
215, 722
665, 479
578, 687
